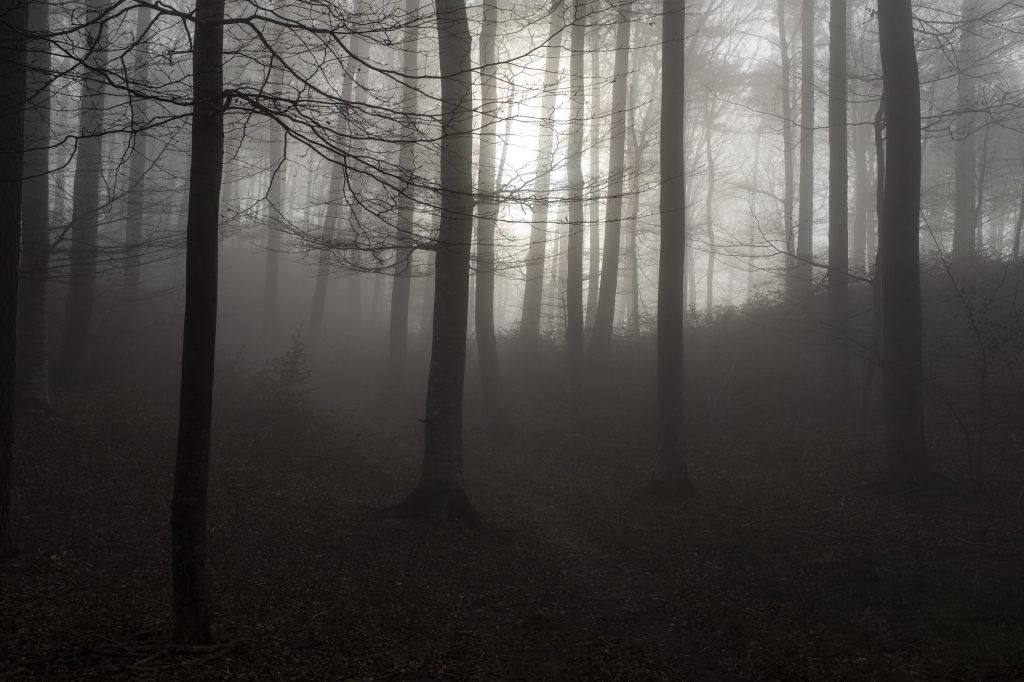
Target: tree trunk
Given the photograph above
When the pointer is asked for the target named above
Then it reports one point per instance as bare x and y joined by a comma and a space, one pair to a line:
85, 208
275, 200
1019, 225
964, 183
898, 242
837, 371
529, 328
135, 201
12, 142
594, 217
498, 423
670, 472
861, 189
788, 190
709, 159
402, 282
574, 251
604, 318
33, 367
805, 227
632, 245
189, 500
441, 488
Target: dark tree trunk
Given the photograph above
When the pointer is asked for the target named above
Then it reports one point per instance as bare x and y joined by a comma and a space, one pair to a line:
861, 190
574, 250
189, 501
137, 166
85, 208
670, 472
33, 367
402, 282
965, 218
709, 160
529, 328
837, 371
12, 141
275, 205
441, 488
594, 217
604, 318
898, 243
805, 227
498, 423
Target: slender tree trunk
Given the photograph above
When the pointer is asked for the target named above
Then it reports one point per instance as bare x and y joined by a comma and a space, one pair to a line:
709, 159
33, 367
604, 318
898, 236
275, 203
633, 256
788, 190
533, 294
861, 188
84, 217
574, 266
12, 142
1019, 225
499, 425
594, 217
189, 500
441, 488
135, 209
837, 372
965, 184
670, 472
335, 196
805, 226
402, 282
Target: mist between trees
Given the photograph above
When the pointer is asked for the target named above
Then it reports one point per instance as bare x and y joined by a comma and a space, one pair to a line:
823, 201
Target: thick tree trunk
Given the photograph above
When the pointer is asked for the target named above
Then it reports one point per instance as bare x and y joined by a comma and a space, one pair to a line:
593, 216
529, 327
498, 423
965, 217
441, 488
670, 472
604, 318
837, 371
402, 282
191, 469
805, 227
85, 208
135, 209
898, 243
33, 367
574, 251
12, 141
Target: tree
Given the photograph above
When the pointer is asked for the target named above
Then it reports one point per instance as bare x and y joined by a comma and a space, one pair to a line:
12, 119
574, 251
33, 364
671, 475
441, 488
604, 317
787, 146
905, 450
593, 216
191, 468
965, 190
838, 369
85, 211
137, 164
805, 224
278, 162
529, 328
498, 423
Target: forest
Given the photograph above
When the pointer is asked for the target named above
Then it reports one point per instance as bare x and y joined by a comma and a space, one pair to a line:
511, 340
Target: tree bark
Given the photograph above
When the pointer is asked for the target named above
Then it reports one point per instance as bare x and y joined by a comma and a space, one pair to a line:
33, 366
898, 243
135, 201
670, 474
965, 217
604, 318
529, 328
805, 227
593, 216
788, 190
837, 371
441, 488
189, 500
85, 207
12, 142
709, 159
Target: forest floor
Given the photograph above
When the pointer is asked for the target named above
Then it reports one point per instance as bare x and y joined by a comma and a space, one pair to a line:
789, 565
